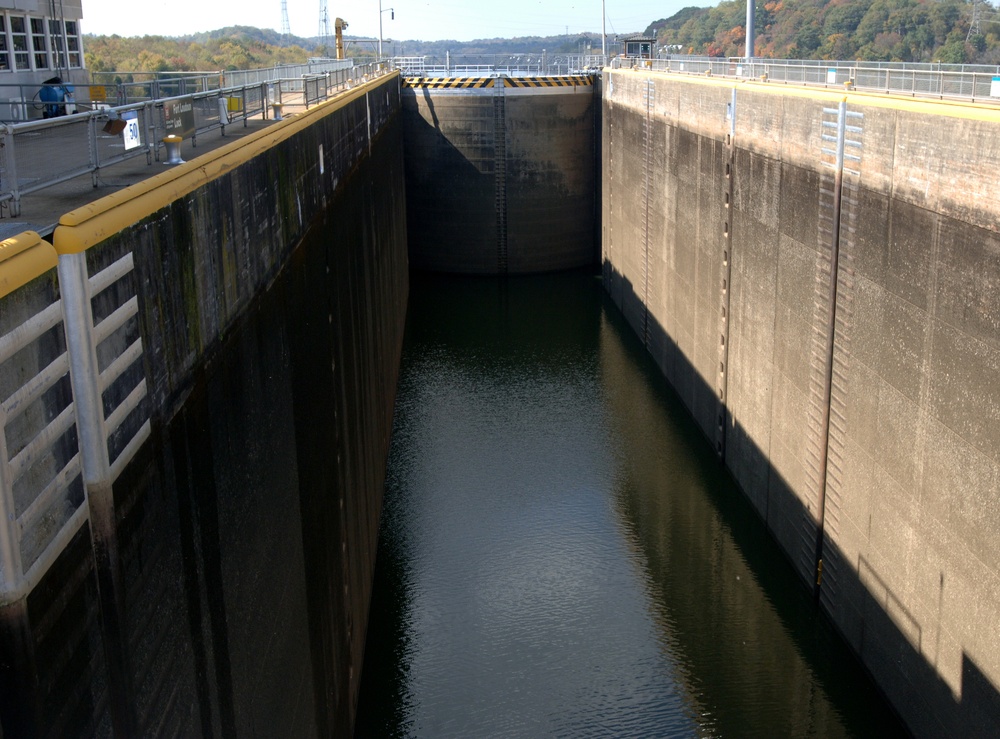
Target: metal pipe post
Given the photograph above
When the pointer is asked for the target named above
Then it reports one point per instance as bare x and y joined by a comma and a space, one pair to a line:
84, 373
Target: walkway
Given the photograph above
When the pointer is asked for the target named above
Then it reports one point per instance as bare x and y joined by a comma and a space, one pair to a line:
41, 210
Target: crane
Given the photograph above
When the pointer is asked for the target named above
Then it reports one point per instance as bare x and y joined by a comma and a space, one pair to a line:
338, 26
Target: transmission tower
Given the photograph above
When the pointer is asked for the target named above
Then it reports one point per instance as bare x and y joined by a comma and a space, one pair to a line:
285, 28
974, 29
324, 22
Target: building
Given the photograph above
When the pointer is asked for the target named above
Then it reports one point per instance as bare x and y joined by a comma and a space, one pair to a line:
638, 45
39, 41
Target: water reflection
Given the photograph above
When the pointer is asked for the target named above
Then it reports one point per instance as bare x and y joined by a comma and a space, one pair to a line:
560, 554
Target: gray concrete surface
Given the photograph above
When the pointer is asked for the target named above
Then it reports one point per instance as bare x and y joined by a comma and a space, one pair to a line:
501, 184
903, 482
234, 569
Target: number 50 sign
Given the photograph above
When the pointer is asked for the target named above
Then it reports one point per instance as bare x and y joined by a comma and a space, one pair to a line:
131, 132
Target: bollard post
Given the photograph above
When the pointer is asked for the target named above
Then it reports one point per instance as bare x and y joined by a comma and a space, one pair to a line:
173, 145
223, 113
276, 110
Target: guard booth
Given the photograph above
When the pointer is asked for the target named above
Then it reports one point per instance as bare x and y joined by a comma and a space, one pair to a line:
638, 46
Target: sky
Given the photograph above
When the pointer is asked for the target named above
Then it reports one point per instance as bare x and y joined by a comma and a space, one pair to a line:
462, 20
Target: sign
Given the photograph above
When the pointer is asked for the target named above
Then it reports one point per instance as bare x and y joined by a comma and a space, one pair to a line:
178, 117
995, 87
98, 93
831, 76
130, 134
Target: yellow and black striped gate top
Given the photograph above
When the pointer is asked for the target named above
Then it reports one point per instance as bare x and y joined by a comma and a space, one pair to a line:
443, 83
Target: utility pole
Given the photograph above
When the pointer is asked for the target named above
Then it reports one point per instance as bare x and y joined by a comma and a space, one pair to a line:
604, 32
392, 16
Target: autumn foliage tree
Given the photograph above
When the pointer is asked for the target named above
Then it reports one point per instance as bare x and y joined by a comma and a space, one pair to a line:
884, 30
234, 48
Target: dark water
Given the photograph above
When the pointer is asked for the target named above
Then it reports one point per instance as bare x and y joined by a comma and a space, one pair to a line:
560, 554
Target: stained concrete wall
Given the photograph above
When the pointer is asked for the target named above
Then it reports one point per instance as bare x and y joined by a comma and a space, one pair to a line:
271, 278
500, 180
858, 415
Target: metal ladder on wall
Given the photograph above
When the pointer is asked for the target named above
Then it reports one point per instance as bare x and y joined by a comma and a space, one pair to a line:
500, 170
841, 133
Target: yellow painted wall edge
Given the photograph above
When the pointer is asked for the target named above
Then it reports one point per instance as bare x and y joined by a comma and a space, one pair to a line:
926, 106
23, 258
85, 227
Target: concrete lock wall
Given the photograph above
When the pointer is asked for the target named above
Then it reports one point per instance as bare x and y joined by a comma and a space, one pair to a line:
219, 576
858, 413
500, 174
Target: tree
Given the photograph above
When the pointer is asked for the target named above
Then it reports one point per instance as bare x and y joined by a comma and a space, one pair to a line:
954, 51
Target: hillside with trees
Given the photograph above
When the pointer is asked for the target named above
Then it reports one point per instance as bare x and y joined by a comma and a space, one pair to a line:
872, 30
237, 47
884, 30
240, 47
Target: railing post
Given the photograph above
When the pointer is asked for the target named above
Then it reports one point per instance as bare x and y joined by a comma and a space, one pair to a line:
10, 547
150, 108
74, 284
10, 154
84, 373
95, 164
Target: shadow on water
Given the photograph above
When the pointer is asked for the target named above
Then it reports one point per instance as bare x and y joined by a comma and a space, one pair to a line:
901, 670
560, 552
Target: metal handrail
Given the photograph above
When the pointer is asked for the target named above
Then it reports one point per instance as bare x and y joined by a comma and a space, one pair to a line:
486, 65
973, 83
27, 164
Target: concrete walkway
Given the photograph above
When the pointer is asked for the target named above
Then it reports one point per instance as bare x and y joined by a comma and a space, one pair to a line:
41, 210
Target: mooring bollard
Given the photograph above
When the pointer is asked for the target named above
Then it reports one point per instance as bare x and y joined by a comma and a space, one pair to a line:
276, 109
173, 144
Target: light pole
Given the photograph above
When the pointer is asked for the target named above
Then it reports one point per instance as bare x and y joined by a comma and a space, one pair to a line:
604, 33
391, 17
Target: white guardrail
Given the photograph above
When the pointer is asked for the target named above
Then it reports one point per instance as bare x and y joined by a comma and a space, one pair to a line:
974, 83
35, 154
73, 394
41, 153
65, 424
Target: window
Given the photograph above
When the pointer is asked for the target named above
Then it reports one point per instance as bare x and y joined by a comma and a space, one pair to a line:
56, 39
4, 51
38, 43
73, 44
19, 40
